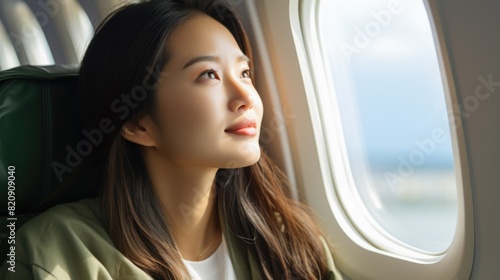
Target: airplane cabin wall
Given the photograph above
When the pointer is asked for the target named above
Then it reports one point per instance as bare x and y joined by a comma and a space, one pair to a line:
473, 38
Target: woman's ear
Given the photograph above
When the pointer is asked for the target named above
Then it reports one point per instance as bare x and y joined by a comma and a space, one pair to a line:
141, 132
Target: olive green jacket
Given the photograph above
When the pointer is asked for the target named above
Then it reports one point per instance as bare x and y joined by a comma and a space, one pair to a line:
69, 241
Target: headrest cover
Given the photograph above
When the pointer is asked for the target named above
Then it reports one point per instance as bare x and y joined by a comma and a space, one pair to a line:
40, 131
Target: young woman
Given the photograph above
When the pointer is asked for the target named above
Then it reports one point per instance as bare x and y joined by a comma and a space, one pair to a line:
187, 193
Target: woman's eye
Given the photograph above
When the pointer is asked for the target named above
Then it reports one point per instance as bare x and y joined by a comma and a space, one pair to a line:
246, 73
208, 75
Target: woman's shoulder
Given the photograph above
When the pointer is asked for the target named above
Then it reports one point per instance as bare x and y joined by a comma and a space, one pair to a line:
68, 224
85, 211
70, 241
75, 216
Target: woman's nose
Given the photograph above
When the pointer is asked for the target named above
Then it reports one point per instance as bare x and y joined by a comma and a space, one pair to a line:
242, 96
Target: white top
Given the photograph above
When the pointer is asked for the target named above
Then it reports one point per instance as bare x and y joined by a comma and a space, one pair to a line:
216, 267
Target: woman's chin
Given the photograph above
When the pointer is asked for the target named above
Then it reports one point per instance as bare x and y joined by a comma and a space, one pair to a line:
242, 160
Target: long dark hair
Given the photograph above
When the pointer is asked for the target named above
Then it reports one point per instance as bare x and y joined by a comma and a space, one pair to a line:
117, 83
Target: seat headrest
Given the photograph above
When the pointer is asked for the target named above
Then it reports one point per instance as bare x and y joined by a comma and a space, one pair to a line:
40, 132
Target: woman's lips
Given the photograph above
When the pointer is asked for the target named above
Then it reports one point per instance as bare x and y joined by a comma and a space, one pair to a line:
246, 127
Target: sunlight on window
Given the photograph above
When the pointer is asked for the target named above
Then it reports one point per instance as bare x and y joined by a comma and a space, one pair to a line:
392, 107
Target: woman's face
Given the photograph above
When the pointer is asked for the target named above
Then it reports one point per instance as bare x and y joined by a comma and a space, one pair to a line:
208, 112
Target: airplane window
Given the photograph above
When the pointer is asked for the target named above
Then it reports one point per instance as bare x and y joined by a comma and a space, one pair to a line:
389, 96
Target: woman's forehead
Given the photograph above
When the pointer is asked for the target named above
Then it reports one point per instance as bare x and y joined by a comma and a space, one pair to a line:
201, 35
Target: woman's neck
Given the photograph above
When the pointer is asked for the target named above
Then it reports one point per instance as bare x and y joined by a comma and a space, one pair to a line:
189, 203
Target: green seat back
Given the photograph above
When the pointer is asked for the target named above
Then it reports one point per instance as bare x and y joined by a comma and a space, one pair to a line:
40, 131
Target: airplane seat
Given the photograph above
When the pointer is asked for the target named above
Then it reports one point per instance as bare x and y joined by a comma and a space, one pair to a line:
41, 144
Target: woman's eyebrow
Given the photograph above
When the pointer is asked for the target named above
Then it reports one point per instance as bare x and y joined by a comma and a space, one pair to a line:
211, 58
243, 58
199, 59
